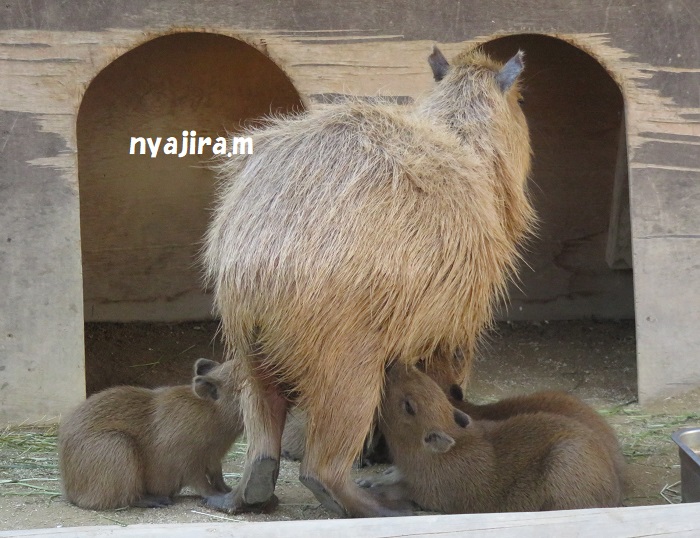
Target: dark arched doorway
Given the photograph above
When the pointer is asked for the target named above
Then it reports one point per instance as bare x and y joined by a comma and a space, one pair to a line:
143, 215
580, 262
571, 313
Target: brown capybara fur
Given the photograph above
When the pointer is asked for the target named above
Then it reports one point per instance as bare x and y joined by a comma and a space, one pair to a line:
294, 435
134, 446
450, 462
557, 402
294, 441
357, 235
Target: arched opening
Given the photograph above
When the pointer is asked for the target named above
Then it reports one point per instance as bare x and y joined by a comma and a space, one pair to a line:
581, 267
577, 275
143, 215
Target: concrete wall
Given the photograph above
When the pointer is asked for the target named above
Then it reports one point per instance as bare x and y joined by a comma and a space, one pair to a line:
50, 52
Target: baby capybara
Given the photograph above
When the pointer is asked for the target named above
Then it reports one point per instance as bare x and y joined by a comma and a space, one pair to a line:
135, 446
449, 462
550, 401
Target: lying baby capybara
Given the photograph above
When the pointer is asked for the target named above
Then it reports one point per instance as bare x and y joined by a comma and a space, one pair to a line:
131, 446
549, 401
449, 462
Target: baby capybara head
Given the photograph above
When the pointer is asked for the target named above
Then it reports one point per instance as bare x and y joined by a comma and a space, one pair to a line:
213, 380
416, 414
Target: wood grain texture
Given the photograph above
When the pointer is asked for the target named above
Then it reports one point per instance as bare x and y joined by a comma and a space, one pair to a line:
50, 52
678, 520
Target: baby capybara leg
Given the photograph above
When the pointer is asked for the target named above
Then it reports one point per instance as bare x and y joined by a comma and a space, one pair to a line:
337, 429
264, 412
151, 501
215, 475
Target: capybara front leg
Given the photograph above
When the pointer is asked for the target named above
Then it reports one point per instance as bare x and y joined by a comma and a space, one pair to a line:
215, 476
264, 410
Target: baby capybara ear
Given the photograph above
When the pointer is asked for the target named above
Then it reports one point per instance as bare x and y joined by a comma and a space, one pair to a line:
456, 393
205, 388
461, 418
204, 366
437, 441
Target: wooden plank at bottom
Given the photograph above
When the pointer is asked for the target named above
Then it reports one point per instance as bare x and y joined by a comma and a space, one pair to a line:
676, 520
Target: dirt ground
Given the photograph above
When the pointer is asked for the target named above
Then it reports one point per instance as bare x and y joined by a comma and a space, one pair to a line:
594, 360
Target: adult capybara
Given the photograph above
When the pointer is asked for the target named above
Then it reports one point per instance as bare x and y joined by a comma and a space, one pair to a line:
355, 236
557, 402
449, 462
134, 446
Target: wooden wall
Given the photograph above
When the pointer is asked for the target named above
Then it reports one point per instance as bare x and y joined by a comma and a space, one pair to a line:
50, 53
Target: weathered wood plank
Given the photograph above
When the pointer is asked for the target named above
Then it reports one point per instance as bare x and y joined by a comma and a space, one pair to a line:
49, 53
677, 520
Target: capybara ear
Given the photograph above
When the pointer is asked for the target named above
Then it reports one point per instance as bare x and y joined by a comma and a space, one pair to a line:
204, 366
439, 64
456, 393
461, 418
205, 388
509, 72
393, 373
437, 441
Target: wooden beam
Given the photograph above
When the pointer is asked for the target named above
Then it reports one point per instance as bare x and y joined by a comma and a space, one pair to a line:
676, 520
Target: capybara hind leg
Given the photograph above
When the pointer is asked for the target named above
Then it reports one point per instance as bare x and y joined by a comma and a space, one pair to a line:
264, 410
103, 472
336, 432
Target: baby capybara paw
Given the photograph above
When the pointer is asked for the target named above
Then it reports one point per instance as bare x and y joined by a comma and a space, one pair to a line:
151, 501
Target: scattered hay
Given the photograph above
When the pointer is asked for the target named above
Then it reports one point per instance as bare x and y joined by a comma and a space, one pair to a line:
645, 435
29, 462
671, 494
217, 516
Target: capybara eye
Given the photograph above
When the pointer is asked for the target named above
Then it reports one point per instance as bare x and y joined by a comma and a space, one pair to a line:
456, 393
408, 408
521, 100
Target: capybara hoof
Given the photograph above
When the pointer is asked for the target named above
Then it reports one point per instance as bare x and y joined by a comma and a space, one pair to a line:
153, 502
233, 504
323, 496
260, 485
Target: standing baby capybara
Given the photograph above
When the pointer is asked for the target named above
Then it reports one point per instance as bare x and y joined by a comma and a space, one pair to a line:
449, 462
550, 401
356, 235
131, 446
